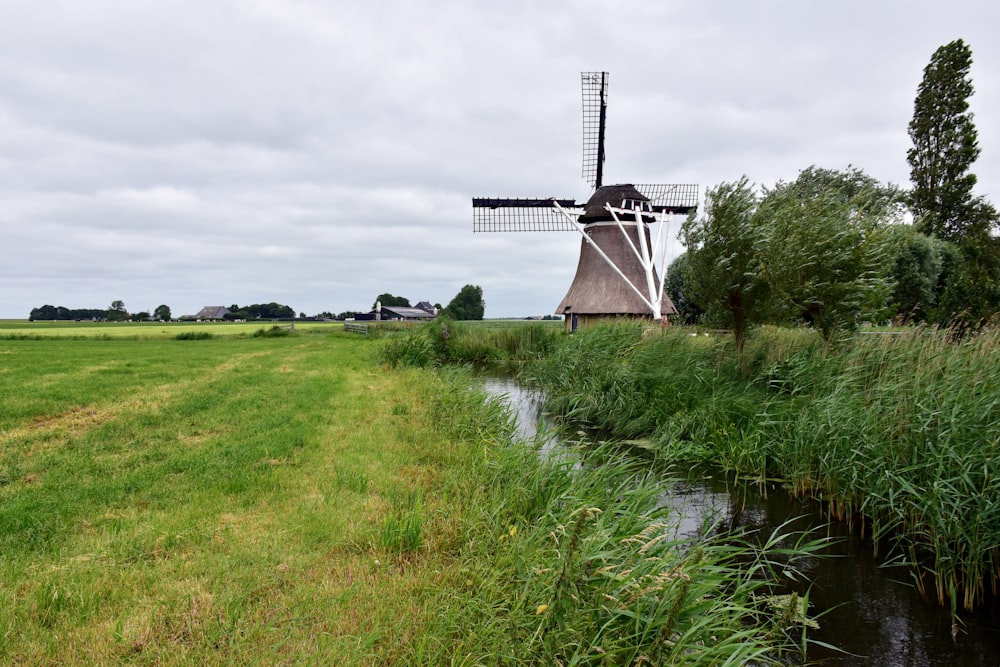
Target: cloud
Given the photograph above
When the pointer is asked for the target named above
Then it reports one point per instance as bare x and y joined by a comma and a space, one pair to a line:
320, 154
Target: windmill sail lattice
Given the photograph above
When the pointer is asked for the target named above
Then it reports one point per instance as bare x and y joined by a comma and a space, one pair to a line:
616, 275
595, 119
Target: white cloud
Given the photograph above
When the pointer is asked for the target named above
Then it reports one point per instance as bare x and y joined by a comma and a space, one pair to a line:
318, 154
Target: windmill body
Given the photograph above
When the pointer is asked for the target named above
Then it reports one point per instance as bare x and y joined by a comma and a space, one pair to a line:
616, 275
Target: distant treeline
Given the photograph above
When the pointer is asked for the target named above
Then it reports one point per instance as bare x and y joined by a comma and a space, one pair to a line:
260, 311
60, 313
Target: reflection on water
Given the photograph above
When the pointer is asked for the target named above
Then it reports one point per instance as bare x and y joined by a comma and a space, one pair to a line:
868, 610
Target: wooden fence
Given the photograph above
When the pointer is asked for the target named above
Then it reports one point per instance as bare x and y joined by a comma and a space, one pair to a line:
356, 327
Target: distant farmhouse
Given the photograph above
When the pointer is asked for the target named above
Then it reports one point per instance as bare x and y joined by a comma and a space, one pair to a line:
422, 312
211, 313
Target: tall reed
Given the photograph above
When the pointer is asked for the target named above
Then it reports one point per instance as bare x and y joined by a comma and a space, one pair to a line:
897, 433
446, 342
576, 562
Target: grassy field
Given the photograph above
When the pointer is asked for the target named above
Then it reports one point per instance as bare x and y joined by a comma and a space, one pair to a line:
13, 329
256, 500
191, 502
21, 329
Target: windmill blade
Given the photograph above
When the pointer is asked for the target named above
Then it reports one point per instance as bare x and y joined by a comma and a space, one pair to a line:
679, 199
595, 108
494, 214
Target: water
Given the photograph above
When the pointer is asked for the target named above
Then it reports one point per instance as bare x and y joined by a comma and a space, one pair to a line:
870, 611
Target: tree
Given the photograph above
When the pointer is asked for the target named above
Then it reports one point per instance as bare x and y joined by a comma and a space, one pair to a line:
824, 245
722, 263
117, 312
678, 287
468, 304
162, 313
390, 300
970, 290
916, 271
945, 144
46, 312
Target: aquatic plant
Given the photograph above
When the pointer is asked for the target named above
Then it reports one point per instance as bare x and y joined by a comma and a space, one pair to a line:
586, 568
897, 433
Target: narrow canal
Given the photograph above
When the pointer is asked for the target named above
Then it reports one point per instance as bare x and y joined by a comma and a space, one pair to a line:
871, 612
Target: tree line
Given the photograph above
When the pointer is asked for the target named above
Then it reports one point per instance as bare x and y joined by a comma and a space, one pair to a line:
116, 312
468, 304
834, 247
260, 311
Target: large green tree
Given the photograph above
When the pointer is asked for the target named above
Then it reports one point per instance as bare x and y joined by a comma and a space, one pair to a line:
824, 248
117, 312
722, 266
162, 313
391, 300
468, 304
916, 271
969, 292
945, 144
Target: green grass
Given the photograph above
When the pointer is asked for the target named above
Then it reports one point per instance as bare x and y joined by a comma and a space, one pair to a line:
583, 569
208, 501
23, 329
490, 343
258, 500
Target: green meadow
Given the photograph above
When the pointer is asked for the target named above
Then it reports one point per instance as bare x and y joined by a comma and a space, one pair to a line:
188, 501
68, 329
248, 499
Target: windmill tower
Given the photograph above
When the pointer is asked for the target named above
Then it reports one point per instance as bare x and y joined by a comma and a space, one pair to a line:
616, 275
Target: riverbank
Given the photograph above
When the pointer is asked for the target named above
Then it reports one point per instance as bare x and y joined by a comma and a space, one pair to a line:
896, 435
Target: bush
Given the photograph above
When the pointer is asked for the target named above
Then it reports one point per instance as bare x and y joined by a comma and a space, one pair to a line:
274, 332
194, 335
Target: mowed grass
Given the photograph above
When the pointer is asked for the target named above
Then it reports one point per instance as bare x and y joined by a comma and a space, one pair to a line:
222, 501
21, 329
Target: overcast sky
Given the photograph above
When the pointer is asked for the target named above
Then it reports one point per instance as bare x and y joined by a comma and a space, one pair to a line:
319, 153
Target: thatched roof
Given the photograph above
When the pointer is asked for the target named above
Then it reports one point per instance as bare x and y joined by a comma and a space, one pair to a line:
594, 211
597, 289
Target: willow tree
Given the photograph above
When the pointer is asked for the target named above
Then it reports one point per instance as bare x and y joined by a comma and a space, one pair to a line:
823, 246
722, 266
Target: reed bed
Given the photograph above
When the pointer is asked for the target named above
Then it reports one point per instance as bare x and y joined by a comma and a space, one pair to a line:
444, 342
576, 562
898, 434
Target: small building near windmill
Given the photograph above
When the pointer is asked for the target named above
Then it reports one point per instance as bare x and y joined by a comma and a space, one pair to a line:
212, 313
402, 313
599, 292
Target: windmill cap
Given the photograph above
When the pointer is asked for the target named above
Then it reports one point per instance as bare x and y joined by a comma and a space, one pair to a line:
619, 196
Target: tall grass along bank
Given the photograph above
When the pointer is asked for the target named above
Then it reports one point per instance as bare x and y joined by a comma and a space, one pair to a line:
445, 342
573, 560
898, 434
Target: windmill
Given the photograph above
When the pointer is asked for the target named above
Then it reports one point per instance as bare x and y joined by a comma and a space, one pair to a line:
616, 275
